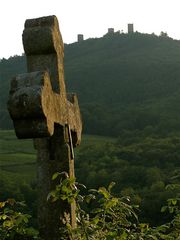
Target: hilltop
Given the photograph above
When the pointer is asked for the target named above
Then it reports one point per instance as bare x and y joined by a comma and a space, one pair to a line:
124, 82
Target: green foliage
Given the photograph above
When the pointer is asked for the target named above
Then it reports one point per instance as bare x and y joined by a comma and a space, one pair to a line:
111, 217
13, 223
141, 167
123, 82
108, 219
65, 190
18, 171
101, 215
139, 163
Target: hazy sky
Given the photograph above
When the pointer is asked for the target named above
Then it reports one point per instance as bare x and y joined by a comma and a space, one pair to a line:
89, 17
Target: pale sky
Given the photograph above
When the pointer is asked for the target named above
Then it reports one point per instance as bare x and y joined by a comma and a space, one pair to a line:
89, 17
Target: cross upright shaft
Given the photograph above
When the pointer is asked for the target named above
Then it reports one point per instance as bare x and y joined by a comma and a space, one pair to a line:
41, 109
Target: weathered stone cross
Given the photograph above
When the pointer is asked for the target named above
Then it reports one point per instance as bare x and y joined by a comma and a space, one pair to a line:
41, 109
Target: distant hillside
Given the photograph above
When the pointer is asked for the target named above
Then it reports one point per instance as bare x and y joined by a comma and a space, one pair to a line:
8, 69
124, 68
123, 81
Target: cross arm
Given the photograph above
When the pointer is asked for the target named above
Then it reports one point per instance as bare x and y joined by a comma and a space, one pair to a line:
35, 108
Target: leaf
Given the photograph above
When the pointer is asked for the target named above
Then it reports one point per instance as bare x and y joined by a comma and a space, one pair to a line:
144, 226
93, 190
65, 189
95, 220
2, 204
174, 202
111, 235
97, 210
104, 192
25, 219
8, 224
55, 175
63, 197
111, 185
111, 203
123, 235
52, 194
4, 217
163, 209
171, 209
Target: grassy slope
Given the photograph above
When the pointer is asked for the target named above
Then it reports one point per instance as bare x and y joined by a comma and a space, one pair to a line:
18, 157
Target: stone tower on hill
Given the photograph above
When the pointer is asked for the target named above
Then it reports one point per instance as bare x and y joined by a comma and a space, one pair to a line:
130, 28
80, 37
110, 30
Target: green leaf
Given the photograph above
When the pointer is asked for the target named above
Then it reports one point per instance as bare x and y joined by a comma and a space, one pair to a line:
55, 175
164, 208
171, 209
111, 185
63, 197
174, 201
4, 217
8, 224
104, 192
97, 210
2, 204
26, 220
95, 220
65, 189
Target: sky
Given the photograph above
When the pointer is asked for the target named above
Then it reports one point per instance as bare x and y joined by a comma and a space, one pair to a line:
91, 18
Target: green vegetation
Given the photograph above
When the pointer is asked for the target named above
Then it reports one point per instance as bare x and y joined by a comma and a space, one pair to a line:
100, 216
111, 217
129, 91
140, 164
123, 82
14, 223
17, 157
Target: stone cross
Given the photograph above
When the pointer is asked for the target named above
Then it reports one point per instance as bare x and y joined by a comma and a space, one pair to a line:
41, 109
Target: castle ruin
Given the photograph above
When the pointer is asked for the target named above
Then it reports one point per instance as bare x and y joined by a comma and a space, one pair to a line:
130, 28
80, 37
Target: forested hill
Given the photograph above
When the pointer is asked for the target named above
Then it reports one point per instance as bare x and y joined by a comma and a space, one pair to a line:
124, 68
123, 81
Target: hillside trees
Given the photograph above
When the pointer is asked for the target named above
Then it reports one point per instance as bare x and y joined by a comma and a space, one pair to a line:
123, 82
140, 166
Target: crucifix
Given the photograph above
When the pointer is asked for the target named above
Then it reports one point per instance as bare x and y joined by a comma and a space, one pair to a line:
41, 109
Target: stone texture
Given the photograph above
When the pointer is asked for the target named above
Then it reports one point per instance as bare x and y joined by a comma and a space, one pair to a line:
40, 94
41, 109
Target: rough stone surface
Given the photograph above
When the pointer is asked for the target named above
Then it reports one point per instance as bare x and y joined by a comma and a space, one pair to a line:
41, 109
40, 94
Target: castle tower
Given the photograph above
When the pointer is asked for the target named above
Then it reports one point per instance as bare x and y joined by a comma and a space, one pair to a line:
110, 30
80, 37
130, 28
